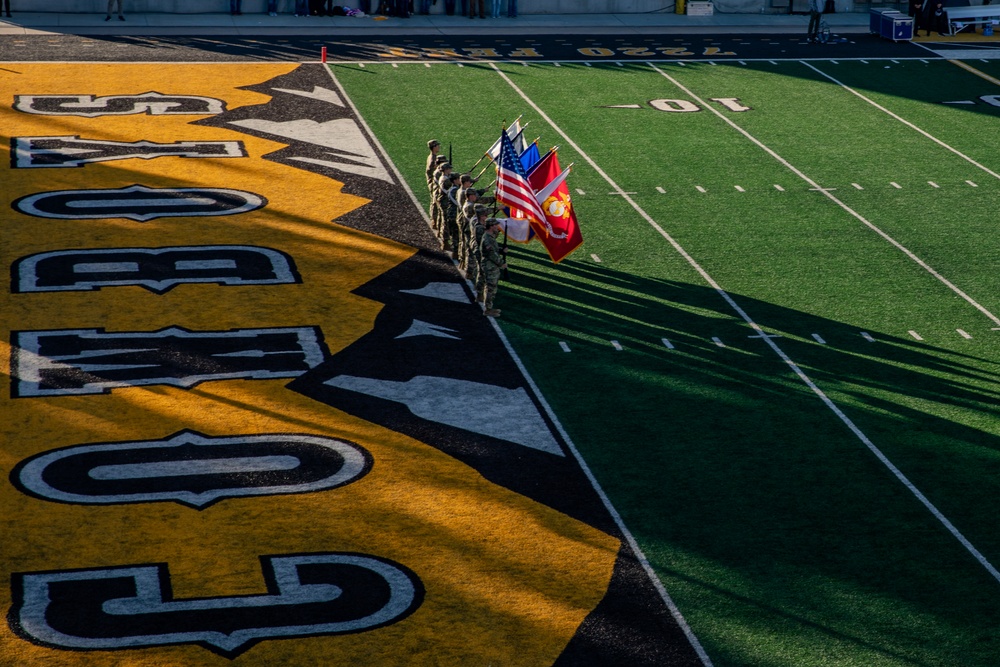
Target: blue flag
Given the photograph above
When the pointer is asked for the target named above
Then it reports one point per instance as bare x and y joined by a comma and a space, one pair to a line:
530, 157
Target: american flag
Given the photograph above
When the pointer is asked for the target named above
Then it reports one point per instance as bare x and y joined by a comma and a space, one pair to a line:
513, 189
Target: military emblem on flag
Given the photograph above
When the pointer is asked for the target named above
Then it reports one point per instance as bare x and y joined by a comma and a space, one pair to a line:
558, 230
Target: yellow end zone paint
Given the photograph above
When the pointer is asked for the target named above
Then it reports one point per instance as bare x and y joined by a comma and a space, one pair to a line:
507, 580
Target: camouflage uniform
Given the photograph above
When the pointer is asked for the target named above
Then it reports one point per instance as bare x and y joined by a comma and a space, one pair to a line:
466, 184
432, 187
451, 233
477, 227
431, 159
442, 184
492, 267
465, 218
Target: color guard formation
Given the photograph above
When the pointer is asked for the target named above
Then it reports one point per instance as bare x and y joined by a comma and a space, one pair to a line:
461, 219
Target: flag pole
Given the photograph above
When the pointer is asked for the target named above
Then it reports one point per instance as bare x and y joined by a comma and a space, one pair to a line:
482, 172
503, 249
477, 164
503, 128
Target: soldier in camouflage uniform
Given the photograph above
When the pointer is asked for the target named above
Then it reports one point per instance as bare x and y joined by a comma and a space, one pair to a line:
441, 186
433, 188
467, 183
451, 212
433, 146
477, 228
466, 217
492, 264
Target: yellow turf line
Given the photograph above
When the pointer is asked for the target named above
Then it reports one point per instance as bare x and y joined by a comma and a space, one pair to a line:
970, 68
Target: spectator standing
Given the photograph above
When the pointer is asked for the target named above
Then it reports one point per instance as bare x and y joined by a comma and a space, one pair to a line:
917, 12
495, 8
815, 16
302, 7
236, 7
473, 4
512, 9
936, 18
6, 5
272, 7
111, 3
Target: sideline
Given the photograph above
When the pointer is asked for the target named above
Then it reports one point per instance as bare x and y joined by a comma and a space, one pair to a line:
605, 500
674, 610
980, 558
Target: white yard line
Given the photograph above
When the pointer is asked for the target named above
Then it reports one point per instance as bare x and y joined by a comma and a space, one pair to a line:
828, 194
381, 149
629, 538
904, 121
770, 341
619, 521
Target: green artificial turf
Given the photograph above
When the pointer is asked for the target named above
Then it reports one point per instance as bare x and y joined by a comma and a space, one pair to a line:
780, 535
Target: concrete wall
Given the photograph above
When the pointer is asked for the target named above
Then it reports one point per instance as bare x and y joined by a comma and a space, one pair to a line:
287, 6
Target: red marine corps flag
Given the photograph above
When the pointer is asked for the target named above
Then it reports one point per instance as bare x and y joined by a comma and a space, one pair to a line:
558, 231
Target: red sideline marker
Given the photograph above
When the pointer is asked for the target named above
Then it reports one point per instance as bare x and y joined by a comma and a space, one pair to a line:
322, 54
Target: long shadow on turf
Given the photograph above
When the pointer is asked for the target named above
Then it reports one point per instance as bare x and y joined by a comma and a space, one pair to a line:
766, 517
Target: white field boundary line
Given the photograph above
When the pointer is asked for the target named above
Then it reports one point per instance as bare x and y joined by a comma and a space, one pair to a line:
381, 149
541, 61
421, 61
766, 338
633, 544
832, 197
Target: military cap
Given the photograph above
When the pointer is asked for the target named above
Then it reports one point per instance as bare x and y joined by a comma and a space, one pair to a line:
445, 165
471, 191
481, 209
432, 143
441, 158
491, 221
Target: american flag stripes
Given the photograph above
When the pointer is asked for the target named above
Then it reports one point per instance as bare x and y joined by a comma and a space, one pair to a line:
513, 188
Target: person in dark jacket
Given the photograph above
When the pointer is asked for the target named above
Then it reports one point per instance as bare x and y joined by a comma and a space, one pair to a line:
916, 11
935, 18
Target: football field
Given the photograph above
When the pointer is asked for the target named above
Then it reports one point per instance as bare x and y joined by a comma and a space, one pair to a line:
254, 417
777, 348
